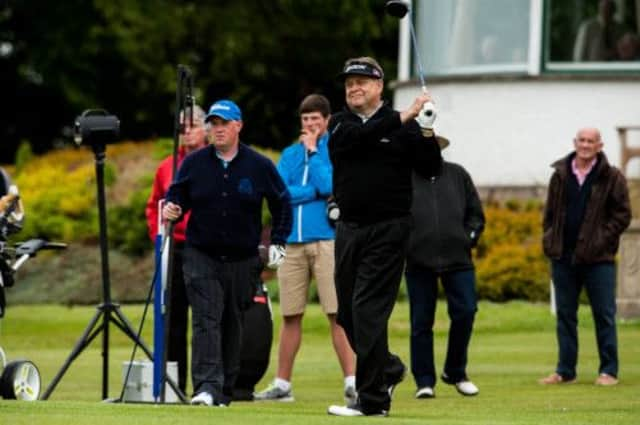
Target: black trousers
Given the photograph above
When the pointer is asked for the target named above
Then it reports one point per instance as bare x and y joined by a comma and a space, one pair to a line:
599, 280
460, 289
369, 262
179, 318
219, 292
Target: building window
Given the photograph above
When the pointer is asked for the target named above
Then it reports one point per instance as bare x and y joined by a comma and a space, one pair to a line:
472, 36
592, 34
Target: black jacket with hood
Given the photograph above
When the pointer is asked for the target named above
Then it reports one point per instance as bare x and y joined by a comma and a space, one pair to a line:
448, 220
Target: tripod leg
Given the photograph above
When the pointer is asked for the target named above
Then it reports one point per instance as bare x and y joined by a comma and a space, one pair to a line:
82, 343
121, 322
174, 387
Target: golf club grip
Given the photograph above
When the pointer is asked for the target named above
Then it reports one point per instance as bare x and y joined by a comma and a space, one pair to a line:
54, 245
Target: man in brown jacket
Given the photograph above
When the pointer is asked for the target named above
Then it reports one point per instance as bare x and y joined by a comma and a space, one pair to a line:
587, 210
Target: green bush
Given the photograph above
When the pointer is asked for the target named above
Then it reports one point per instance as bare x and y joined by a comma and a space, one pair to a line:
58, 192
509, 259
128, 225
24, 154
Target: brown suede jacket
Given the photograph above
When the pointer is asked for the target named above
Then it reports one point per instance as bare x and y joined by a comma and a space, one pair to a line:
607, 215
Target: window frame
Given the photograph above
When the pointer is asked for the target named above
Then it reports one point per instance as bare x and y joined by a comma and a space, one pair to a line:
548, 66
521, 68
537, 62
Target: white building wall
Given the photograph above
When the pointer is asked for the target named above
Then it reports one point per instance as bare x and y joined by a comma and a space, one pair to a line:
508, 132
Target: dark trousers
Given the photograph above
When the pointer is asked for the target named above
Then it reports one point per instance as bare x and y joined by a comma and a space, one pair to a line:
600, 282
179, 318
369, 262
460, 289
219, 292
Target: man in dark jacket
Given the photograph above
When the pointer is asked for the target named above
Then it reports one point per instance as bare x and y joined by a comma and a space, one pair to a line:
448, 221
192, 139
374, 150
587, 210
224, 185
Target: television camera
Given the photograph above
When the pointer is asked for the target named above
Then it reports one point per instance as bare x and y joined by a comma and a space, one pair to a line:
96, 127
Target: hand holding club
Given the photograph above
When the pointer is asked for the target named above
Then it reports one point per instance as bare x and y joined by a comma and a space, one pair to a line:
426, 117
171, 211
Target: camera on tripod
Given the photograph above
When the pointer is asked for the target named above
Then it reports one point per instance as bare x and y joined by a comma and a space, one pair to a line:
96, 127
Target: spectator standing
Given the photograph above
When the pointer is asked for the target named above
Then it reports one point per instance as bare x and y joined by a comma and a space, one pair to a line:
597, 37
192, 139
587, 210
448, 221
224, 185
306, 170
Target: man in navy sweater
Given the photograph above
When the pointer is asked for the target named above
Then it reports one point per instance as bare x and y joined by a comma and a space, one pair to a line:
224, 185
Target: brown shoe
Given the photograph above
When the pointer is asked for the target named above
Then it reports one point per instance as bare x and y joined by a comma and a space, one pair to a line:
606, 380
555, 379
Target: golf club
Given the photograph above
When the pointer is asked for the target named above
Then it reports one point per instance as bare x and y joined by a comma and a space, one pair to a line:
399, 9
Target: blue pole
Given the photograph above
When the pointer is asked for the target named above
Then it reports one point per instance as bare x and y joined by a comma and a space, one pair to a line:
158, 314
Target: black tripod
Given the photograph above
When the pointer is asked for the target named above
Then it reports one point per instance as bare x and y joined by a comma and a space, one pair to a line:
108, 311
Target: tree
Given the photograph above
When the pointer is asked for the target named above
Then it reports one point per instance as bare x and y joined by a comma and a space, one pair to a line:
59, 58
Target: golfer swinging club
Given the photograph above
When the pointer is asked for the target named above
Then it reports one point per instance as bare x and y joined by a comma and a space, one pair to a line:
373, 146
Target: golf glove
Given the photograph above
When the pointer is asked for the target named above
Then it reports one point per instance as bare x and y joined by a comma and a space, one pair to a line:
276, 256
426, 118
333, 211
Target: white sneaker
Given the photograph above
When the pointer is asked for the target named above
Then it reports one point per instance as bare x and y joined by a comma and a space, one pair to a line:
352, 410
202, 399
344, 411
425, 392
274, 393
350, 395
467, 388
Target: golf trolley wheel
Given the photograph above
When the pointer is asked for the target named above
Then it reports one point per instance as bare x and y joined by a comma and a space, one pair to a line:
20, 381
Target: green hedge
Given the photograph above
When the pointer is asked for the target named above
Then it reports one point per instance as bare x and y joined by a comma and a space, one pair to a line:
509, 259
59, 193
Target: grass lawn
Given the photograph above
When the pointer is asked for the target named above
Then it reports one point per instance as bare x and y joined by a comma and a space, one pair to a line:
513, 345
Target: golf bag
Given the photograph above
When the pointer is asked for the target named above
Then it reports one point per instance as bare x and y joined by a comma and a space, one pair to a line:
256, 344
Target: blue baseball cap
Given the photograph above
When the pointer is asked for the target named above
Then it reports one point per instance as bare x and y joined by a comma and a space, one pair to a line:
225, 109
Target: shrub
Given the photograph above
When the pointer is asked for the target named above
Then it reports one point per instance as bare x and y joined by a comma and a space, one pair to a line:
58, 192
509, 259
128, 225
24, 154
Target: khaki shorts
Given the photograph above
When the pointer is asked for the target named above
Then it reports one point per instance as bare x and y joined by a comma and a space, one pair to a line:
303, 261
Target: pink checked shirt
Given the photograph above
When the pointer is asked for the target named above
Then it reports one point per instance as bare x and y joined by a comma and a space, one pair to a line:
582, 175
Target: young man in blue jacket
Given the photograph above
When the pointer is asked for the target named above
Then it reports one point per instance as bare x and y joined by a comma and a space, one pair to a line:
306, 170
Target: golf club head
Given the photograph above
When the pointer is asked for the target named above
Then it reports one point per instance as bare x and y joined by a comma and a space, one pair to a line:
396, 8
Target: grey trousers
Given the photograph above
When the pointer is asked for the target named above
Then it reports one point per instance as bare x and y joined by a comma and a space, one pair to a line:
218, 292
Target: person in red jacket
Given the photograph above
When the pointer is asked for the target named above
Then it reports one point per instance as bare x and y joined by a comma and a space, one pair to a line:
194, 138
